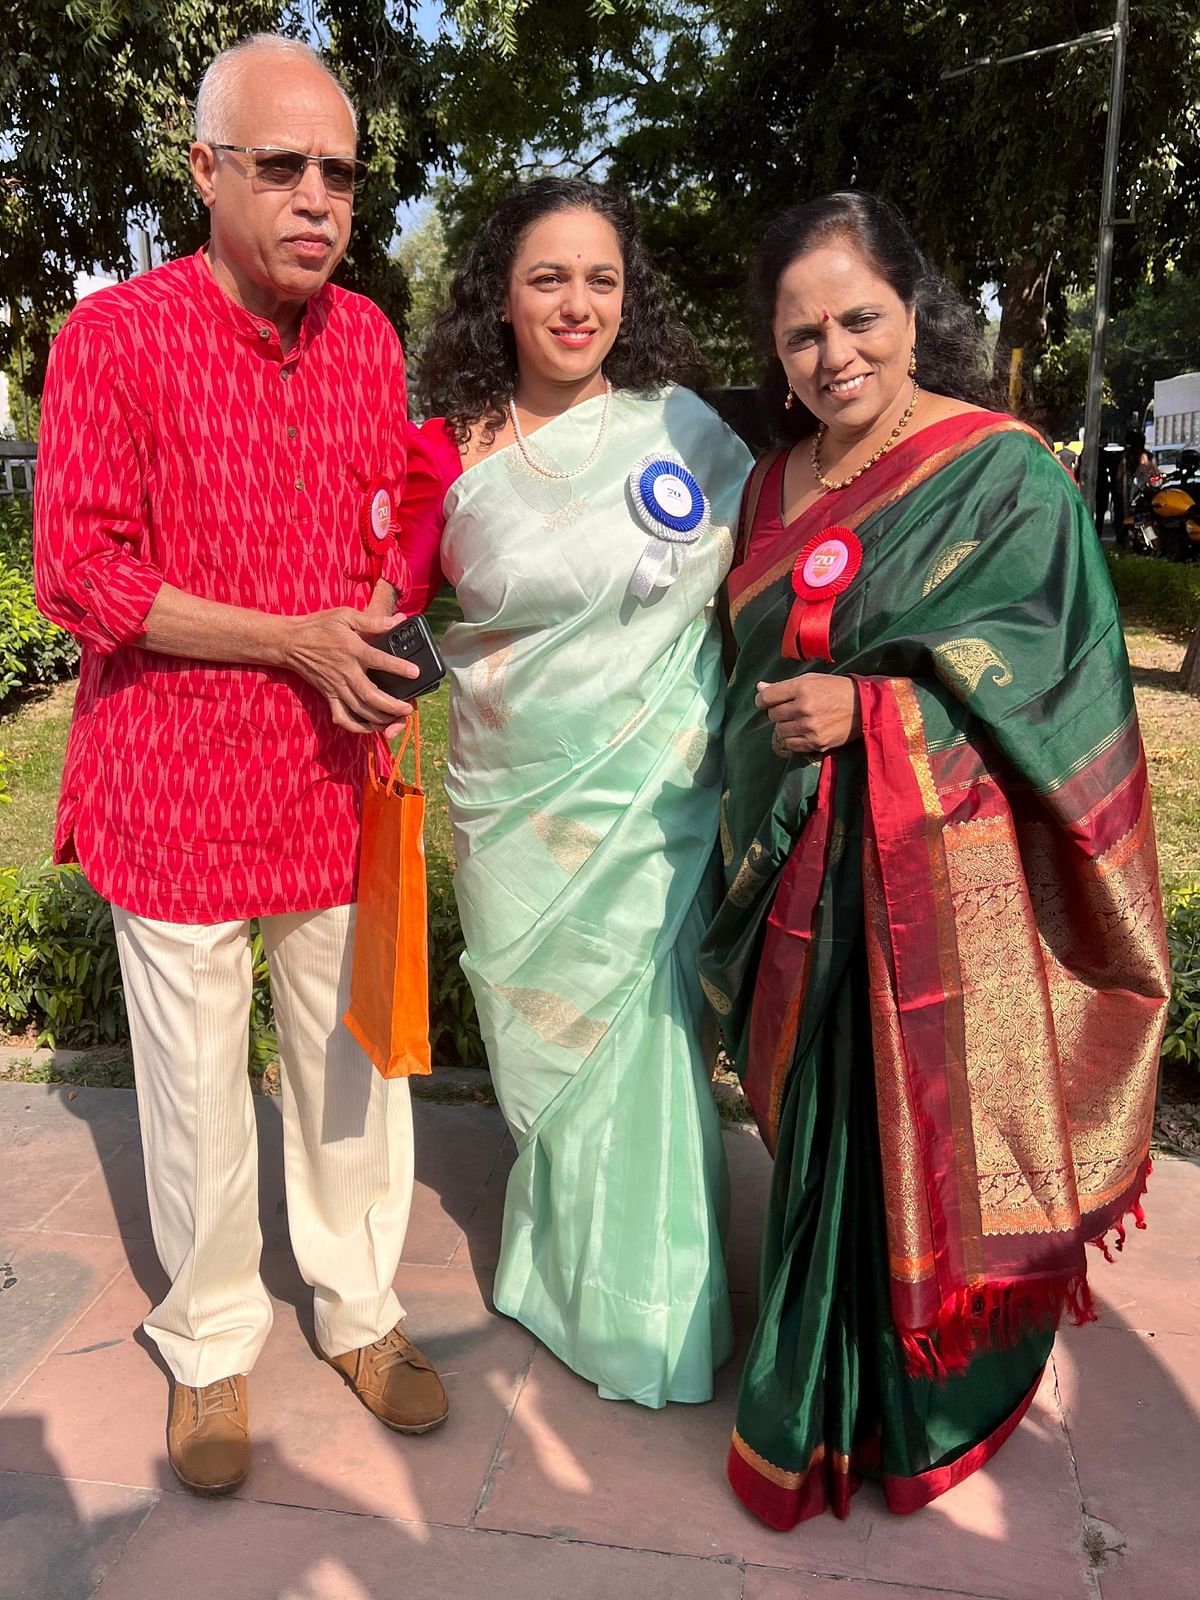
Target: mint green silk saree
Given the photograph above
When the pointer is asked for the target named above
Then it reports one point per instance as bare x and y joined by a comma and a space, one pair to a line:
584, 782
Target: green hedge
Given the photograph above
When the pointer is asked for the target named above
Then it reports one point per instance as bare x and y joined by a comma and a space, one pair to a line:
32, 650
1182, 1042
59, 971
1161, 594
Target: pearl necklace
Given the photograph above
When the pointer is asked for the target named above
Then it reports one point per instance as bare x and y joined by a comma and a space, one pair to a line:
559, 472
844, 483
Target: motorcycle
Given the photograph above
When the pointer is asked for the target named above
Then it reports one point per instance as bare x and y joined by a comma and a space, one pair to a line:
1166, 512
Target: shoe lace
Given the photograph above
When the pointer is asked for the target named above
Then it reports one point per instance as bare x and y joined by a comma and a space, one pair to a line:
215, 1398
395, 1349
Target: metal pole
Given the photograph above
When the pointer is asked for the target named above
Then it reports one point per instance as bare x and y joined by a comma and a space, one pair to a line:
1104, 252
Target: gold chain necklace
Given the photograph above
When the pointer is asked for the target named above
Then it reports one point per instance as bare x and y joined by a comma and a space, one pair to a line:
844, 483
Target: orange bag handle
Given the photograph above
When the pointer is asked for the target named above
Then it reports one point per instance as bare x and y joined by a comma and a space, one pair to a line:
383, 760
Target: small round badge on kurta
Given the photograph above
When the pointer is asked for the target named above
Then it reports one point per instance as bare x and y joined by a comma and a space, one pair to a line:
377, 518
827, 565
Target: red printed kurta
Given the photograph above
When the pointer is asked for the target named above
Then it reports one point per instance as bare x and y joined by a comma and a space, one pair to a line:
178, 444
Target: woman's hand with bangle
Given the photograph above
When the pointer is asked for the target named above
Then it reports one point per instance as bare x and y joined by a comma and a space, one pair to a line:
813, 713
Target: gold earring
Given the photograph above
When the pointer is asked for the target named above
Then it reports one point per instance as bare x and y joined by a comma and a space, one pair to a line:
791, 398
912, 363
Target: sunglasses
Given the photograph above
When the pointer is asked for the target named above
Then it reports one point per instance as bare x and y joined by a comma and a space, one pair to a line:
283, 169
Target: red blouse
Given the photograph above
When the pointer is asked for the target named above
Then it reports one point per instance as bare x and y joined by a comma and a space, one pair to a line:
179, 444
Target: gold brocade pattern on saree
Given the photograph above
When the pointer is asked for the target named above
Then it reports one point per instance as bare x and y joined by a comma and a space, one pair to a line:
699, 754
717, 999
726, 836
555, 1019
570, 843
1099, 929
748, 881
488, 675
1017, 1113
781, 1476
962, 663
837, 841
947, 562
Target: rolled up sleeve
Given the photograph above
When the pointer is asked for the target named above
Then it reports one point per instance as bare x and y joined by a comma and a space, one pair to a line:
91, 575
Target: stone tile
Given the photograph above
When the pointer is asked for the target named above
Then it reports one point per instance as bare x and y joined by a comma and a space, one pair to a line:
62, 1539
101, 1398
47, 1282
480, 1244
108, 1116
749, 1178
110, 1200
457, 1151
245, 1551
764, 1585
315, 1444
1132, 1404
1154, 1283
104, 1406
51, 1138
578, 1467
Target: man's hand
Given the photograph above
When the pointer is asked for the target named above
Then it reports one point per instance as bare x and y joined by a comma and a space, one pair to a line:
813, 713
329, 649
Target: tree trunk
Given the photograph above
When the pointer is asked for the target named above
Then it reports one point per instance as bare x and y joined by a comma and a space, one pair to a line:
1023, 297
1189, 673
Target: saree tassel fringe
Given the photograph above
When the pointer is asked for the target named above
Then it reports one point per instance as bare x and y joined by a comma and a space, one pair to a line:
1135, 1210
993, 1316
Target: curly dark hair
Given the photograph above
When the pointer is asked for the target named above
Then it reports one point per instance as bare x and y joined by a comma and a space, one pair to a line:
951, 355
469, 359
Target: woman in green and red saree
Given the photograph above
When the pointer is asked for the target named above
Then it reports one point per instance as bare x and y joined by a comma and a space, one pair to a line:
939, 963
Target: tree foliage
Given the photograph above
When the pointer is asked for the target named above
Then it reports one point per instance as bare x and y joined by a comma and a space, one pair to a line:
95, 124
717, 113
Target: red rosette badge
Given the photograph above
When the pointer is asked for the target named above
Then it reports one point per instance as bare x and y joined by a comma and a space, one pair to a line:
825, 568
376, 519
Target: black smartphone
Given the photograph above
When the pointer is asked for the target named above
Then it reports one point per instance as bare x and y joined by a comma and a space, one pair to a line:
410, 640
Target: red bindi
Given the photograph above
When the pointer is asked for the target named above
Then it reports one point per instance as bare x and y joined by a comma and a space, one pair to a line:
824, 315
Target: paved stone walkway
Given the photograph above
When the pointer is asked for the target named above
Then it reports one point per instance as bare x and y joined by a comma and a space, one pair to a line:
535, 1487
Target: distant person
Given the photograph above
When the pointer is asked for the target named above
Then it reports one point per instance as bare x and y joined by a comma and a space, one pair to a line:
584, 514
940, 964
1136, 469
222, 449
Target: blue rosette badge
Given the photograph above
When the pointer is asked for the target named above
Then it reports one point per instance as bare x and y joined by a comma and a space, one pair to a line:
671, 507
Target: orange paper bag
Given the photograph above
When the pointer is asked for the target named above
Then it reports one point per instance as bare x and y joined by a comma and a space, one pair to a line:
389, 981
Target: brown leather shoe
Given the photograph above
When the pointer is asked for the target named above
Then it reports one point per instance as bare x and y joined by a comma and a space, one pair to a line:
395, 1382
208, 1435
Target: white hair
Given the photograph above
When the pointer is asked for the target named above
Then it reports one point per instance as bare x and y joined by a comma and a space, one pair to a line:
218, 86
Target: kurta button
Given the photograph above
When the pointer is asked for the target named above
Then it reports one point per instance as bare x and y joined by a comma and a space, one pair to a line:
264, 333
299, 483
286, 374
291, 433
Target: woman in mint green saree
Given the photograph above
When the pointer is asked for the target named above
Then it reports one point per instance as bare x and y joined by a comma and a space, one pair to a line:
939, 963
588, 510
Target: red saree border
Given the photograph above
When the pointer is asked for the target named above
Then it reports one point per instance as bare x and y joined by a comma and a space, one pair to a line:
906, 1495
783, 974
896, 475
783, 1498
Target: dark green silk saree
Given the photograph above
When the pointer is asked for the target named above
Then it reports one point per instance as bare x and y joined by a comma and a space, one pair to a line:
939, 963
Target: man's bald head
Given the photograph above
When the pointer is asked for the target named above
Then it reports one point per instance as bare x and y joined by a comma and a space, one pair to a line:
217, 100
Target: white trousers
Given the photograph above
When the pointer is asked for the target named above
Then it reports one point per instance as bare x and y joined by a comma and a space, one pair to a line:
348, 1145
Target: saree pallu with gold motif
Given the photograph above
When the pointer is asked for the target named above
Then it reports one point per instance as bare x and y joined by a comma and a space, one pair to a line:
939, 963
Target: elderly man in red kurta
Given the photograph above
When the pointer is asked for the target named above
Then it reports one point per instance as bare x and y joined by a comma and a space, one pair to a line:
221, 454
